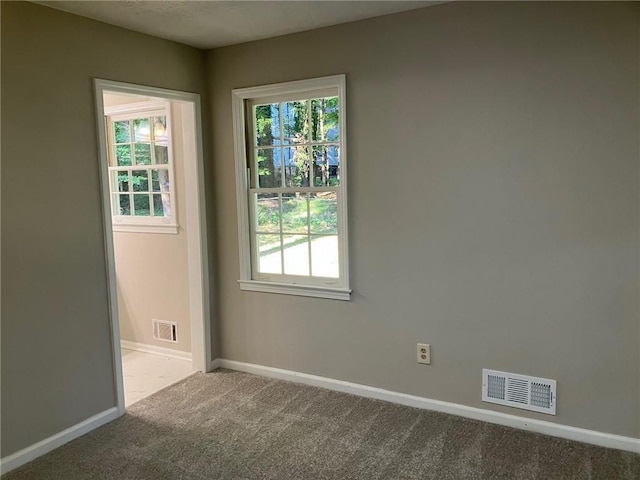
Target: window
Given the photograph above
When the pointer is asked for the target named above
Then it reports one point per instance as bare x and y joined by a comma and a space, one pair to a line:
141, 168
291, 187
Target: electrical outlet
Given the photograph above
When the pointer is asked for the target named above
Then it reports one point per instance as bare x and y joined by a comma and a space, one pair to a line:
424, 353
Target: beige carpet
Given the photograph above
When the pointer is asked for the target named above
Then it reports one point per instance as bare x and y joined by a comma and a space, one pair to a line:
230, 425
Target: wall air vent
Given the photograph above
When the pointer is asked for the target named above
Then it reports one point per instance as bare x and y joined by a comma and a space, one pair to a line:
519, 391
165, 330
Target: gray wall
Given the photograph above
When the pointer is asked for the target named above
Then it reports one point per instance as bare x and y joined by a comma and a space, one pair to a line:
56, 358
494, 186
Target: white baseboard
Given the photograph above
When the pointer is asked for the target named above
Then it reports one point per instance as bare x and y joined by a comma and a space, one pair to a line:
165, 352
36, 450
539, 426
214, 364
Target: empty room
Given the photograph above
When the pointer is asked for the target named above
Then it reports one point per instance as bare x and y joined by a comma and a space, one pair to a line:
381, 240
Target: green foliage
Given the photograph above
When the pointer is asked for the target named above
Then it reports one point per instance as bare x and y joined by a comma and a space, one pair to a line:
122, 131
158, 209
143, 153
265, 157
137, 197
141, 205
266, 122
324, 119
324, 213
322, 210
268, 213
125, 205
294, 213
123, 155
323, 126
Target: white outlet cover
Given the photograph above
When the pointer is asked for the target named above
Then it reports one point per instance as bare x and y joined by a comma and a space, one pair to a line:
424, 353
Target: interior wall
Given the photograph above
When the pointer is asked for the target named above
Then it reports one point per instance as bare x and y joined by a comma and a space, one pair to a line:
494, 200
152, 269
56, 348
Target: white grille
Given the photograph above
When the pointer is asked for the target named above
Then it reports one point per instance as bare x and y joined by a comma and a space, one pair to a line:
165, 330
496, 387
519, 391
540, 394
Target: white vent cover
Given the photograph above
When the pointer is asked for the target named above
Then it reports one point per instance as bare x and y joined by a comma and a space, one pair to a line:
165, 330
519, 391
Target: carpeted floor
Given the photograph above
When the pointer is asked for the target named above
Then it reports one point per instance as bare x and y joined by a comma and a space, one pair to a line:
230, 425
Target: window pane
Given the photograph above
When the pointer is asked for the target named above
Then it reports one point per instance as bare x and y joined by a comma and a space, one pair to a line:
324, 256
326, 166
139, 180
296, 167
160, 128
325, 118
267, 124
161, 205
141, 131
269, 167
160, 180
123, 155
143, 154
155, 182
294, 213
121, 205
294, 122
122, 131
141, 205
268, 212
323, 209
269, 254
162, 154
296, 255
120, 181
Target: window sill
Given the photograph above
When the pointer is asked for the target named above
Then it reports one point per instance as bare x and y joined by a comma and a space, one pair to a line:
300, 290
170, 229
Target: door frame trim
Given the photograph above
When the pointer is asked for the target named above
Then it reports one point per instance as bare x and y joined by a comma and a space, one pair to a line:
199, 296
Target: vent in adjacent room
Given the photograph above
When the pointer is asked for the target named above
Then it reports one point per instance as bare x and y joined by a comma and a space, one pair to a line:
519, 391
165, 331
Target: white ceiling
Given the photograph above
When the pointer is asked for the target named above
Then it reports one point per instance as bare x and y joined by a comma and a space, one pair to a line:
210, 24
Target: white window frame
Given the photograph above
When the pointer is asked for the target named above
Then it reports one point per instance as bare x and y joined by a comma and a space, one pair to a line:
132, 223
337, 288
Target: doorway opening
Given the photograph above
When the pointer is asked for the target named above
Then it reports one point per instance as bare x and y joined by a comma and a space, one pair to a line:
153, 205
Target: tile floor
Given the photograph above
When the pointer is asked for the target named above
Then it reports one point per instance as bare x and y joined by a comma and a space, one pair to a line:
146, 373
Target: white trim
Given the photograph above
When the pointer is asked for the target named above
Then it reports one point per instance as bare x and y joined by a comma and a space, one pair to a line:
159, 228
112, 292
144, 106
36, 450
198, 256
298, 86
343, 215
146, 348
300, 290
532, 425
250, 280
242, 184
215, 364
147, 91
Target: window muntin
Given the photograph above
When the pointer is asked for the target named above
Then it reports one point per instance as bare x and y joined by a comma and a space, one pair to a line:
140, 168
295, 189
